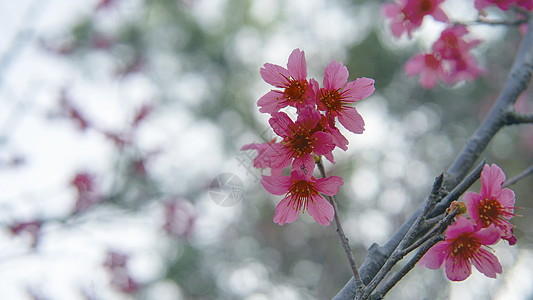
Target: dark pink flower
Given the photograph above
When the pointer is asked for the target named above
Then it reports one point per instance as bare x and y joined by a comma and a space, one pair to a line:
88, 194
300, 141
463, 247
32, 229
302, 192
454, 51
336, 136
337, 95
503, 4
71, 111
493, 205
407, 15
294, 91
121, 279
430, 68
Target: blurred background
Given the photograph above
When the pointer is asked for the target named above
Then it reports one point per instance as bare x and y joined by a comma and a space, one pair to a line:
122, 121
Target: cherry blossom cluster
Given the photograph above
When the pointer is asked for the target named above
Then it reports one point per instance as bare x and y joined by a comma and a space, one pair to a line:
449, 60
314, 133
467, 239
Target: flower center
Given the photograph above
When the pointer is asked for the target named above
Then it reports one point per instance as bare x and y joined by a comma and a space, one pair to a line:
489, 211
300, 192
299, 142
464, 247
431, 61
426, 6
295, 90
332, 99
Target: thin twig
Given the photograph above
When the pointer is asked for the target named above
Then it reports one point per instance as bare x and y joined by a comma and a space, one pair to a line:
340, 231
480, 21
428, 241
514, 118
464, 185
518, 177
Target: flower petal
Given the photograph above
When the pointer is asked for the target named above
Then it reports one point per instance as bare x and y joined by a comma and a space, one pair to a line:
457, 269
358, 89
462, 225
304, 165
338, 139
297, 65
269, 102
281, 124
439, 15
507, 200
278, 155
285, 212
472, 206
487, 263
415, 64
487, 236
435, 256
492, 178
321, 210
335, 75
352, 120
308, 117
276, 185
329, 186
274, 75
322, 143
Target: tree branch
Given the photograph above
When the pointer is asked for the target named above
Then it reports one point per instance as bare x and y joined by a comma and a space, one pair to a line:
514, 118
518, 177
517, 82
428, 241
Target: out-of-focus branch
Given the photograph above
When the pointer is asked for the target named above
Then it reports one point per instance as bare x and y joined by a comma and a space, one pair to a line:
481, 21
514, 118
517, 82
518, 177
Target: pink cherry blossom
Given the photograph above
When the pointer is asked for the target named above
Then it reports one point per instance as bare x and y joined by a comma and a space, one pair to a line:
300, 141
493, 205
429, 66
337, 95
407, 15
463, 247
503, 4
454, 51
88, 193
302, 193
337, 137
295, 89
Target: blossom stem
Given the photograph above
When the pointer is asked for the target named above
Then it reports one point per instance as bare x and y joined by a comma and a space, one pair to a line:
342, 236
458, 190
518, 177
